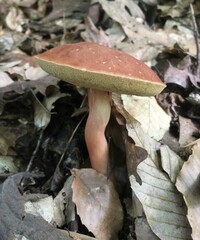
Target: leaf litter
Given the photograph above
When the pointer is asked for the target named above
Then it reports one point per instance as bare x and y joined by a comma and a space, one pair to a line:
157, 144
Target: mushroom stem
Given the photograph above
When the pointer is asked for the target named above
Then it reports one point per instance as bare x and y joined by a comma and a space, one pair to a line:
99, 114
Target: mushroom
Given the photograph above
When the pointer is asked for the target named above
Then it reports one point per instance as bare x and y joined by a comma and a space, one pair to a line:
101, 70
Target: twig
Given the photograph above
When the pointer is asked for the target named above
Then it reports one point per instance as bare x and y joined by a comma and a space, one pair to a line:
6, 175
35, 151
70, 139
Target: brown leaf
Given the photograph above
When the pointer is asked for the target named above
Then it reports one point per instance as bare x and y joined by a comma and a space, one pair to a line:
98, 204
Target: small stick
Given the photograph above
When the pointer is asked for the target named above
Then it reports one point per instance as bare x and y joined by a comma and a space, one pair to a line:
70, 139
35, 151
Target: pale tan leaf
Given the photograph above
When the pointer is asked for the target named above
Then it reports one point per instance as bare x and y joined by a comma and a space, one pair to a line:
5, 79
171, 162
187, 130
154, 121
188, 184
64, 214
8, 164
130, 17
42, 207
15, 19
143, 231
142, 140
98, 204
162, 203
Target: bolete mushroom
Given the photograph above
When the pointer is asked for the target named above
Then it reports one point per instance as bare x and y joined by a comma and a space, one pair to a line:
102, 70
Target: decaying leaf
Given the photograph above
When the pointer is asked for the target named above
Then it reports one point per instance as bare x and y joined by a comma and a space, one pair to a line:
188, 184
14, 221
154, 121
9, 136
22, 87
98, 204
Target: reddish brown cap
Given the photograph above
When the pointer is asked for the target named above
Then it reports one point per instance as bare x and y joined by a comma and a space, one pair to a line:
91, 65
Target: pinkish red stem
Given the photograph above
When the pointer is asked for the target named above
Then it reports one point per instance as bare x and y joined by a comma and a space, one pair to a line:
99, 114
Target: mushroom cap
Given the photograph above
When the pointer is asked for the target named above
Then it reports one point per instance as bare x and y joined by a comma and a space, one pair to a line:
91, 65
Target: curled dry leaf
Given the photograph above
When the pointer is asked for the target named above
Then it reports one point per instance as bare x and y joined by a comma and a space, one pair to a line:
42, 111
98, 204
171, 162
188, 184
15, 19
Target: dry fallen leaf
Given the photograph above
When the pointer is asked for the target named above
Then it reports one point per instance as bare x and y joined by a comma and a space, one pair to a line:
162, 203
13, 218
42, 111
8, 164
154, 121
130, 17
93, 34
15, 19
171, 162
64, 208
188, 184
177, 76
5, 79
41, 207
97, 203
143, 231
187, 131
